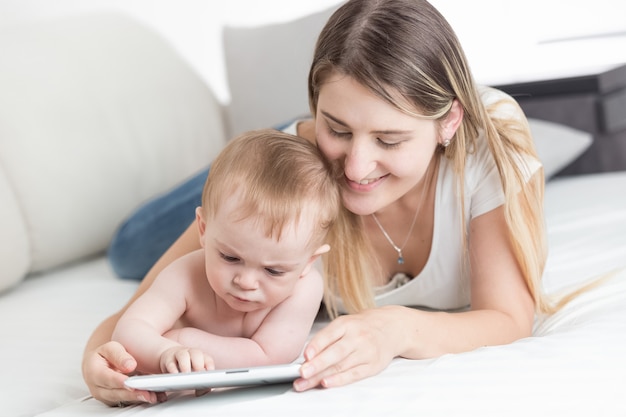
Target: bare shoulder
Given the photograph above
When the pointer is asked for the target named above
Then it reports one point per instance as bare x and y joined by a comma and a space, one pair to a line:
310, 286
184, 270
186, 262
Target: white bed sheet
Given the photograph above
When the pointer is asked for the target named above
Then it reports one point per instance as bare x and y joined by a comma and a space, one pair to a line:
44, 325
575, 364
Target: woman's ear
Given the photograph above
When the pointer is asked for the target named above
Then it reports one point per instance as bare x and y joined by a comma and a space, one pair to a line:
201, 223
451, 122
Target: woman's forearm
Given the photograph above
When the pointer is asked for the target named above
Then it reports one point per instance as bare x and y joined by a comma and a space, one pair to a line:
356, 346
428, 334
102, 333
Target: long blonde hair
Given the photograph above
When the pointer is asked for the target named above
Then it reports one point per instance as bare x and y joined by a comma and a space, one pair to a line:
407, 46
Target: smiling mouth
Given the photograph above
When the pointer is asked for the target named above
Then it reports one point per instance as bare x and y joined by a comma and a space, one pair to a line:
366, 181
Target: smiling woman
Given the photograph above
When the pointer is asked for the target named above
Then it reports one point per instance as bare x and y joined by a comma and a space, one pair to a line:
159, 137
419, 147
436, 171
375, 143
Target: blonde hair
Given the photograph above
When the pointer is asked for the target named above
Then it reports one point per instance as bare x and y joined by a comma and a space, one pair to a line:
278, 177
407, 47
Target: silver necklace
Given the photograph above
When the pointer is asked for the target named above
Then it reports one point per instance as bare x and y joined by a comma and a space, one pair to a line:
406, 240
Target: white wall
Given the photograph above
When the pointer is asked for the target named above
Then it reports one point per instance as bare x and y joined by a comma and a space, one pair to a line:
500, 36
193, 26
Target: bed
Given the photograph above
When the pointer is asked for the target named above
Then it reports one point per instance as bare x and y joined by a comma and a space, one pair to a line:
574, 364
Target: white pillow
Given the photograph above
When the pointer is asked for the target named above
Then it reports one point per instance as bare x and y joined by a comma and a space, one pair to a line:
558, 145
97, 114
267, 68
14, 246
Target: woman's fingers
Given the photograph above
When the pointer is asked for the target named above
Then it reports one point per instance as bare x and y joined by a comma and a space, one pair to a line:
338, 372
349, 349
116, 357
106, 368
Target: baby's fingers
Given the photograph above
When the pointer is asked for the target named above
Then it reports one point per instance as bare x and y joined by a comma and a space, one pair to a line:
200, 361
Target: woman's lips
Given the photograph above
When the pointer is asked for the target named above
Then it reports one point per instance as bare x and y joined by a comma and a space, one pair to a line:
364, 185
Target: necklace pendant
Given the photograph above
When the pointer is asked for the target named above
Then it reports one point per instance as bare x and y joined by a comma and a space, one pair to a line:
400, 260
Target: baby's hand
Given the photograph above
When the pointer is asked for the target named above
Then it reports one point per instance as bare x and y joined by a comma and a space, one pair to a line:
184, 359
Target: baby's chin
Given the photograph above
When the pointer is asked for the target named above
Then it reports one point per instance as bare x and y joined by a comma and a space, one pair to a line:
246, 306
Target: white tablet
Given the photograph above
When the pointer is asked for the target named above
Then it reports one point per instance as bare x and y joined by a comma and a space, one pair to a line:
259, 375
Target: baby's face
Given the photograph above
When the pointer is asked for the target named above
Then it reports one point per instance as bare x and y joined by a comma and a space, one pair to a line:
248, 269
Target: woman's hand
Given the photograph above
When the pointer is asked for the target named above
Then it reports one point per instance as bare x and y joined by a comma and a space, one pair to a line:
106, 368
351, 348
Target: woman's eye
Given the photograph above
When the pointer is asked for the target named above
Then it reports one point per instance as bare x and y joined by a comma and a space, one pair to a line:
227, 258
388, 145
338, 134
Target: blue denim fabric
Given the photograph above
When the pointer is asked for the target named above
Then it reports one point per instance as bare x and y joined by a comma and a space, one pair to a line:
153, 228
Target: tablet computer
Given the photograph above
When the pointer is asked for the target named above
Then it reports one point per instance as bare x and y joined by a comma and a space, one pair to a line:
220, 378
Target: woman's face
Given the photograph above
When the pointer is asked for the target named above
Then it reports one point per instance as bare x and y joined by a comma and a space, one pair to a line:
383, 152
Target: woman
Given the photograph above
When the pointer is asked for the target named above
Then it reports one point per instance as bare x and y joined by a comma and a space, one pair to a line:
447, 188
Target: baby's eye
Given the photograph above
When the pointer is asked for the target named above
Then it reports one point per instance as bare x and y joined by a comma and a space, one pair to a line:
228, 258
274, 272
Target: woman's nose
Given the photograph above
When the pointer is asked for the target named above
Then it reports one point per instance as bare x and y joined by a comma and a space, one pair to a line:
359, 161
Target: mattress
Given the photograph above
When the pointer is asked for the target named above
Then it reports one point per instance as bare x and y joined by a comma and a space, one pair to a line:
574, 364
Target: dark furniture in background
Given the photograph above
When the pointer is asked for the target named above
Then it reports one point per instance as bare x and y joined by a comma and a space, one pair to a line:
595, 103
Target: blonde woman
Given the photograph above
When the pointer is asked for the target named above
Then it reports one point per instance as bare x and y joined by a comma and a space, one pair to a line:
447, 191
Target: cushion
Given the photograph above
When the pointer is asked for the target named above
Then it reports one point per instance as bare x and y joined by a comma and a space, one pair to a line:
97, 114
257, 72
14, 245
557, 145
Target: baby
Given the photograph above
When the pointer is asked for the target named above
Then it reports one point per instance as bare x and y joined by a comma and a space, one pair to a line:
250, 295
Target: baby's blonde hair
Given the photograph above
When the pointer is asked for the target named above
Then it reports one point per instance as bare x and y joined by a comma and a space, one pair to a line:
277, 178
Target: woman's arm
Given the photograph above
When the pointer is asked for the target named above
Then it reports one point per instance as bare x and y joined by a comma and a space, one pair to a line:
106, 363
502, 310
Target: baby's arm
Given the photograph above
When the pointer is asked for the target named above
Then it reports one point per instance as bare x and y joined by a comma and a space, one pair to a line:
279, 339
140, 329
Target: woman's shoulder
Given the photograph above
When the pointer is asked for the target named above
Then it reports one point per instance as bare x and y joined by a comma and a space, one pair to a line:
303, 127
306, 129
499, 104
